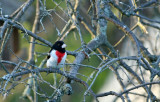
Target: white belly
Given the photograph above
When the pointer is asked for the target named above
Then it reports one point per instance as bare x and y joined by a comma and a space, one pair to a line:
52, 62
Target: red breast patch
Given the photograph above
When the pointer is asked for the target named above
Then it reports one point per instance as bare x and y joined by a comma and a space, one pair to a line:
60, 56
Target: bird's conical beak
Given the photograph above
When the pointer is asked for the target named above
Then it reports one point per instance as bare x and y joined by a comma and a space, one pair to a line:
64, 45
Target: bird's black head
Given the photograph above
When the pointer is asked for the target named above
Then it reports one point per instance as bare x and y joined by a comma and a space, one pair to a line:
59, 45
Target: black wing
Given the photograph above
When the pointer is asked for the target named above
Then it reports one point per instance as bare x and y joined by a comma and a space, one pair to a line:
53, 47
49, 54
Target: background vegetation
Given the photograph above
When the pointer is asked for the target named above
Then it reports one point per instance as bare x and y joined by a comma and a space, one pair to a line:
109, 43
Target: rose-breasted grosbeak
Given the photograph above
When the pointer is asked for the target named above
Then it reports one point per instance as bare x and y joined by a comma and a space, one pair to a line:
57, 55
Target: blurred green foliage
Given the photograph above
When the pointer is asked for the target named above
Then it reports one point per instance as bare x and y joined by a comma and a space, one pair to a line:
73, 43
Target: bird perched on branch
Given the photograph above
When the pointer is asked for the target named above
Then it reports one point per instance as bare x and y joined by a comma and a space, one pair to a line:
57, 55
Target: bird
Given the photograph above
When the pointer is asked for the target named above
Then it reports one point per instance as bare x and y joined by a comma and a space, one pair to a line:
57, 55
